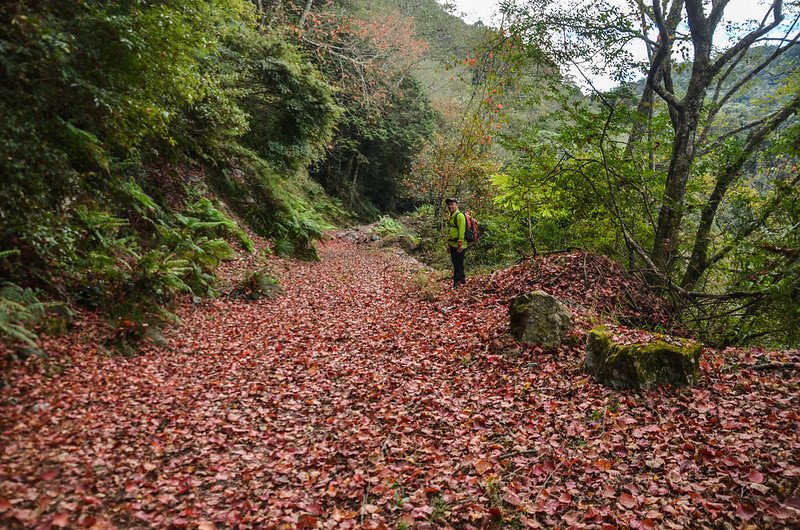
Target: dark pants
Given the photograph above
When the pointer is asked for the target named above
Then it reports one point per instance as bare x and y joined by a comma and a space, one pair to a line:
458, 266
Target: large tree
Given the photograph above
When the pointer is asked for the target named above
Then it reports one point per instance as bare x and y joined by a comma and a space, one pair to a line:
684, 146
718, 73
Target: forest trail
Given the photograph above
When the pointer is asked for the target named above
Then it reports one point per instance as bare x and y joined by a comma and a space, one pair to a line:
349, 401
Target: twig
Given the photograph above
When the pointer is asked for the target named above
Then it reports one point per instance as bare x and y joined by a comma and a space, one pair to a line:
512, 454
585, 275
776, 366
544, 484
603, 430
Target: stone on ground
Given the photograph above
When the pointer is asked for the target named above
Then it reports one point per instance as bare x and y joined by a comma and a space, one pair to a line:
641, 365
539, 318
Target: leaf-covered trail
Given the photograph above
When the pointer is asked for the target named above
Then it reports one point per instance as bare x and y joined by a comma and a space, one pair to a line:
350, 402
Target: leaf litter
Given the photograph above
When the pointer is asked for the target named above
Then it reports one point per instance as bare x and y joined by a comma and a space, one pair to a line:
352, 402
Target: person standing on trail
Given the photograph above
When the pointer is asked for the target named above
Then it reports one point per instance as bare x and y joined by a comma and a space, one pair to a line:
456, 244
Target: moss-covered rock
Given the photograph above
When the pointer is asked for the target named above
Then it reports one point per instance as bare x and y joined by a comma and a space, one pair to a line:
641, 365
539, 318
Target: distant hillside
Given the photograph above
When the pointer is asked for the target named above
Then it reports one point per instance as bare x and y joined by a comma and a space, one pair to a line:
451, 40
448, 80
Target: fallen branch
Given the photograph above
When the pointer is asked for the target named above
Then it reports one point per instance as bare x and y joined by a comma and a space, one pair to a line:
776, 366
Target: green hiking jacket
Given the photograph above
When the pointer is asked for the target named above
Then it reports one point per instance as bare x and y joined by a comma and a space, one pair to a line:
458, 227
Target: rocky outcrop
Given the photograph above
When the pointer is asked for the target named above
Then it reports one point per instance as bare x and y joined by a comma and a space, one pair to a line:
539, 318
641, 365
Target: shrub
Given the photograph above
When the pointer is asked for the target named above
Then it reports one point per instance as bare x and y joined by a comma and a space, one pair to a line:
257, 284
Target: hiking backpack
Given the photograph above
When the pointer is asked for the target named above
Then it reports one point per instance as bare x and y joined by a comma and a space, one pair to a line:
471, 232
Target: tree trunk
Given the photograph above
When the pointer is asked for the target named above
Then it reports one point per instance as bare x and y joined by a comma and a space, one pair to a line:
670, 215
661, 73
353, 192
686, 121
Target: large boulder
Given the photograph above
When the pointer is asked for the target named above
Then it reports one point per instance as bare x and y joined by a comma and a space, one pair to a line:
539, 318
641, 365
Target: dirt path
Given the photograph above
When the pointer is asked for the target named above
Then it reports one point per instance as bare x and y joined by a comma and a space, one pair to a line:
350, 402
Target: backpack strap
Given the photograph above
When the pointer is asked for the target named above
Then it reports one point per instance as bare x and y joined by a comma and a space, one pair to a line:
455, 222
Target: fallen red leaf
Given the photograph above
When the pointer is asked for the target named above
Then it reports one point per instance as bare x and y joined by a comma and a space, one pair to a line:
755, 476
628, 501
61, 520
482, 466
745, 512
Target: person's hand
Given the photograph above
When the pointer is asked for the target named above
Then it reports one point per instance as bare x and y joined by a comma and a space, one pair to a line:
460, 247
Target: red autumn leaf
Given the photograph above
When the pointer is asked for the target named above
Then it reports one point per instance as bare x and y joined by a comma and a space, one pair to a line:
607, 491
306, 521
512, 499
482, 466
755, 476
793, 502
628, 501
745, 512
350, 399
61, 520
603, 465
782, 513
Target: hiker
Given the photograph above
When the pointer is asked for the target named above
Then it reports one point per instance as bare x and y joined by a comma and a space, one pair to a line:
456, 242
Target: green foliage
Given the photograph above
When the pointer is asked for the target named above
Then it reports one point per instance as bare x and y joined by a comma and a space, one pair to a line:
284, 247
20, 310
425, 222
105, 202
394, 232
275, 205
386, 226
547, 202
586, 186
291, 108
375, 148
426, 285
202, 214
368, 55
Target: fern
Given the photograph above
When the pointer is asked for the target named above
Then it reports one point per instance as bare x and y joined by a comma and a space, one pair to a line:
142, 201
203, 217
19, 309
218, 249
284, 247
86, 144
5, 254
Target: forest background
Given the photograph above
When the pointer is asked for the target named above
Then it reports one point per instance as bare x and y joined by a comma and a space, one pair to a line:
139, 138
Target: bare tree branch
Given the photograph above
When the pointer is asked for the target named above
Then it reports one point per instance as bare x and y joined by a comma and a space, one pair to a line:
746, 41
306, 11
663, 53
717, 106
